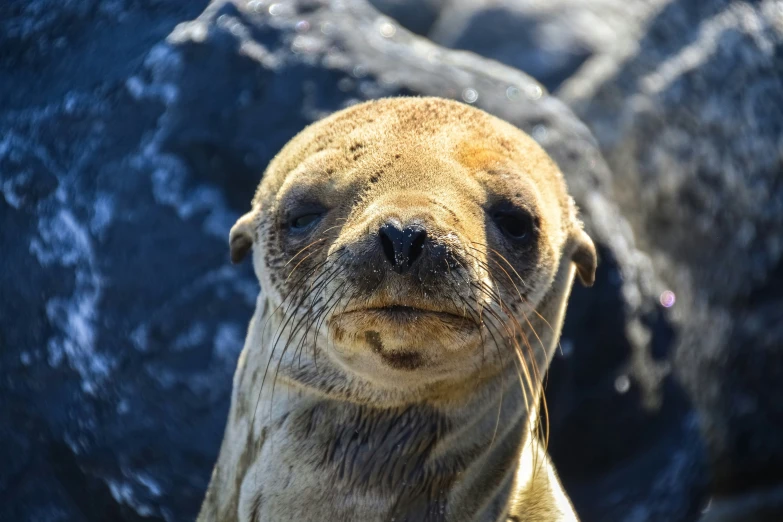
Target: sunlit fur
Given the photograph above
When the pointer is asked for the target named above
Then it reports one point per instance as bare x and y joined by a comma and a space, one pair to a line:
343, 412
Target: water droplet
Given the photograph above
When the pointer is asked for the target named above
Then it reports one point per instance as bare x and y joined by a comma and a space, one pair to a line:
302, 26
387, 30
359, 71
622, 384
256, 5
667, 299
533, 91
470, 95
539, 133
512, 93
327, 28
275, 9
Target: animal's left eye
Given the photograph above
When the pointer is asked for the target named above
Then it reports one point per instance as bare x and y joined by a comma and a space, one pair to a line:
305, 221
516, 224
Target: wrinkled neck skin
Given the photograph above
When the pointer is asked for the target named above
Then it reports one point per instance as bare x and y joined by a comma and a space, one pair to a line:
298, 450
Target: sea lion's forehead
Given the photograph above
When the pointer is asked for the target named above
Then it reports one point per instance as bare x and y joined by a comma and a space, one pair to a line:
331, 177
381, 148
421, 135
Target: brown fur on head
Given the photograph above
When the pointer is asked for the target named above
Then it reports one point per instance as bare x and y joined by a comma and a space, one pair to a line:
487, 206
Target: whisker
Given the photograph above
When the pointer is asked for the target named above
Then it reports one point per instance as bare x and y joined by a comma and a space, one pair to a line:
483, 325
495, 296
302, 250
318, 314
326, 313
532, 328
517, 274
289, 316
316, 287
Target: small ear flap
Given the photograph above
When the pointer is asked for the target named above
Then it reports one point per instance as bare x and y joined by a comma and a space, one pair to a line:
240, 239
584, 257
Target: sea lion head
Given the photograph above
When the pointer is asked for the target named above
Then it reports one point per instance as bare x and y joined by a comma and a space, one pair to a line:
407, 242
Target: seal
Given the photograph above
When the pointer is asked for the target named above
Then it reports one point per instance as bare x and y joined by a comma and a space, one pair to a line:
415, 258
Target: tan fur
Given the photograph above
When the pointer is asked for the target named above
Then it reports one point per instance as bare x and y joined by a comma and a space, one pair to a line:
345, 409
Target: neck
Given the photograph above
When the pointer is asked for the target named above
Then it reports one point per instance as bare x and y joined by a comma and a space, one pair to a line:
411, 459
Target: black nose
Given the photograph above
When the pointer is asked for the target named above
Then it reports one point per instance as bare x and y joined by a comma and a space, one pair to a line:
402, 246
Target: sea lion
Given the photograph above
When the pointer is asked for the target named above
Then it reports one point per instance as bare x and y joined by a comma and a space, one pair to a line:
415, 257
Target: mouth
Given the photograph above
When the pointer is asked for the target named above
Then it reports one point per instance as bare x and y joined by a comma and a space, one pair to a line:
404, 314
404, 336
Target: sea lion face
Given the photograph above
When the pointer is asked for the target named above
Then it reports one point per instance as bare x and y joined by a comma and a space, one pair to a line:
409, 240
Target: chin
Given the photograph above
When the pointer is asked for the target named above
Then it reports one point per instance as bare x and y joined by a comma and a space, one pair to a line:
391, 344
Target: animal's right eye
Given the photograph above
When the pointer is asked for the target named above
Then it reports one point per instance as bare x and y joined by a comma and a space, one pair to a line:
303, 222
304, 217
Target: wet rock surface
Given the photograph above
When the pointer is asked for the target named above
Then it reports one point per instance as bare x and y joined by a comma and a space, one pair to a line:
128, 151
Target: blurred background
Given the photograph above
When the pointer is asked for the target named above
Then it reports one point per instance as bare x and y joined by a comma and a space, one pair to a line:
133, 133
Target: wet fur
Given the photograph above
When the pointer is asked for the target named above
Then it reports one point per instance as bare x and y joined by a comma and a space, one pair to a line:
337, 416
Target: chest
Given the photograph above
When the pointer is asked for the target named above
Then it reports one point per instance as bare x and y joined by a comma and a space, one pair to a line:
319, 463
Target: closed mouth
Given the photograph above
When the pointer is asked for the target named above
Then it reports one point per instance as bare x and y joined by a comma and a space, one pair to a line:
405, 313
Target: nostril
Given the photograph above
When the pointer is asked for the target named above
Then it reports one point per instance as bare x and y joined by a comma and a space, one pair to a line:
417, 245
402, 247
388, 246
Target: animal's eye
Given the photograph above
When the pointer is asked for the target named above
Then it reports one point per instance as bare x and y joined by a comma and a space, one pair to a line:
516, 224
303, 222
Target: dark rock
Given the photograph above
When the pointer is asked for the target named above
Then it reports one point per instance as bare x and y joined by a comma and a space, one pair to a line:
51, 47
121, 317
692, 125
